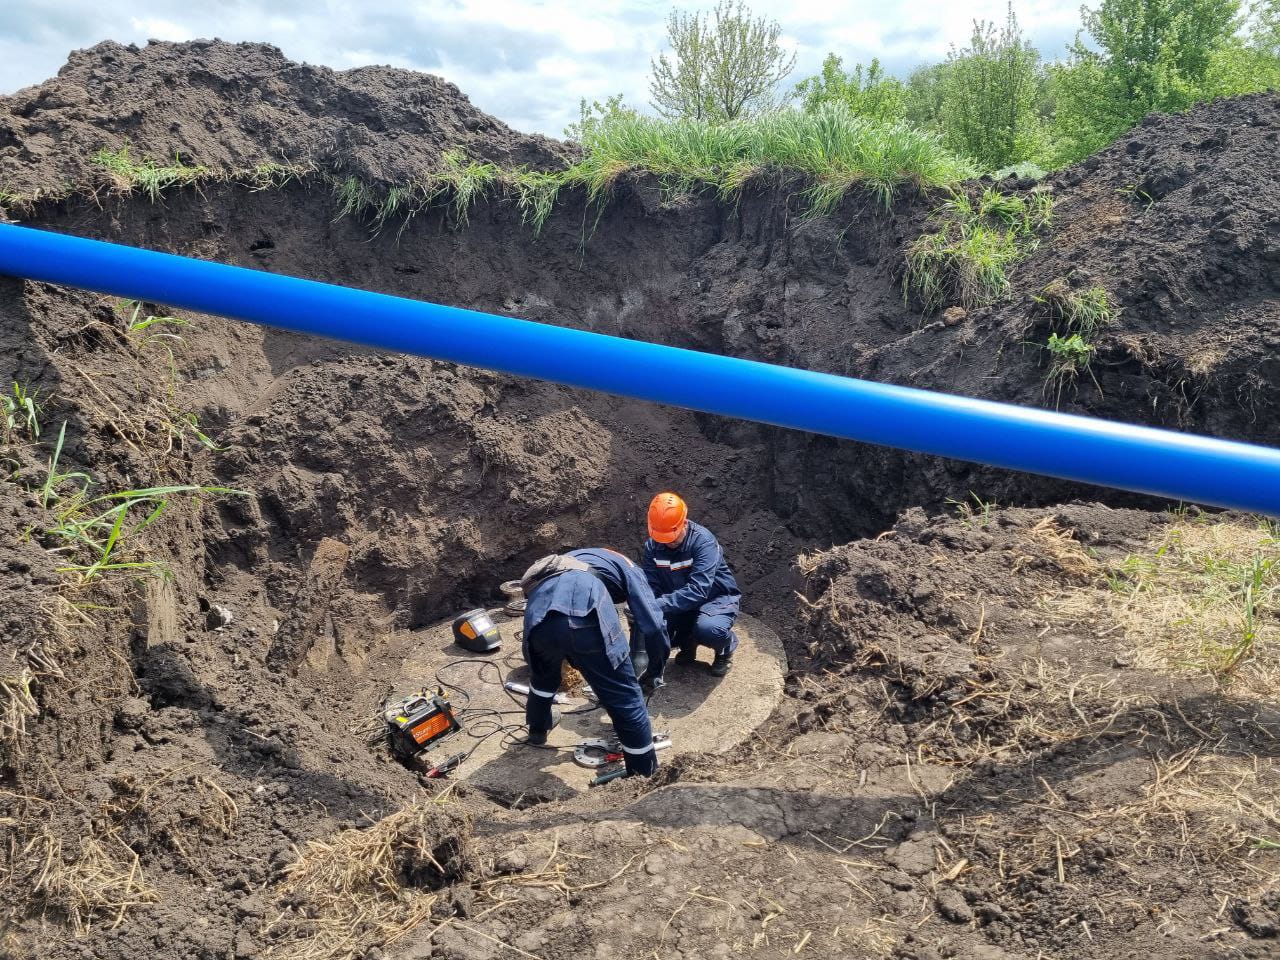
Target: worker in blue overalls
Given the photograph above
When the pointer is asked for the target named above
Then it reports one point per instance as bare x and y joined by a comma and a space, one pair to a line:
570, 615
696, 591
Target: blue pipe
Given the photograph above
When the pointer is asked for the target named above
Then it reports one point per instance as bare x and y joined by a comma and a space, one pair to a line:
1159, 462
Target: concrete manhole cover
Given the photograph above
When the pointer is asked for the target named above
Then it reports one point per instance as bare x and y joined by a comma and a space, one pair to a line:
701, 713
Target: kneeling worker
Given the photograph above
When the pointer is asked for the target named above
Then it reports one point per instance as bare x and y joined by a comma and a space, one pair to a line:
696, 591
570, 615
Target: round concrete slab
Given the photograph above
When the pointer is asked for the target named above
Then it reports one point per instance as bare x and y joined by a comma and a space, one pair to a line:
701, 713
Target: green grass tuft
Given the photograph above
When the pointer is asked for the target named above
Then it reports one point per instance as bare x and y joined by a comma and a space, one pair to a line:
100, 531
1077, 311
146, 175
1075, 317
461, 182
966, 259
536, 192
19, 414
832, 146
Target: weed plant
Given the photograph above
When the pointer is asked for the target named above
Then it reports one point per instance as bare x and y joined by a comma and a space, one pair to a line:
1076, 316
966, 260
103, 528
146, 175
20, 414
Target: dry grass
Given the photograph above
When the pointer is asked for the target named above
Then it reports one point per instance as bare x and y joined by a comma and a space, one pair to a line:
1051, 542
100, 882
368, 887
1204, 598
17, 706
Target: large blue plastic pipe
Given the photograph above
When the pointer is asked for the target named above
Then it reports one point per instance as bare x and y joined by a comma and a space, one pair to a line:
1174, 465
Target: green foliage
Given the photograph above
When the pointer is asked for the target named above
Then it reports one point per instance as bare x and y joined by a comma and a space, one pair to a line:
1075, 317
595, 113
100, 531
966, 259
867, 92
832, 146
721, 67
461, 181
354, 197
1067, 357
1142, 56
146, 175
990, 96
19, 414
536, 193
1251, 61
923, 95
1077, 311
1026, 170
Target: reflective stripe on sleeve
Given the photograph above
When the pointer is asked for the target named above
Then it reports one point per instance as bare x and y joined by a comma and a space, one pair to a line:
637, 751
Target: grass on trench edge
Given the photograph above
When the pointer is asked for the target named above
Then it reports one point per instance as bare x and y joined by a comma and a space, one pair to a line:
965, 260
1204, 598
832, 148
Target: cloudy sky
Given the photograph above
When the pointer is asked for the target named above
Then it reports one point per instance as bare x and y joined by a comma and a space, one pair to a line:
526, 61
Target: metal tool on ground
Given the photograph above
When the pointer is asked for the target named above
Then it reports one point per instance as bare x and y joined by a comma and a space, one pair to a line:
598, 752
523, 690
418, 722
516, 602
475, 631
444, 768
609, 776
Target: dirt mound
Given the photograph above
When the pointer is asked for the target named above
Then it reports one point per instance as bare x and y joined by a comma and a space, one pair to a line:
1179, 222
231, 107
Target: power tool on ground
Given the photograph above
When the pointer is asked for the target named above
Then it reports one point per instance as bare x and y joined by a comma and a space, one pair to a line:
419, 722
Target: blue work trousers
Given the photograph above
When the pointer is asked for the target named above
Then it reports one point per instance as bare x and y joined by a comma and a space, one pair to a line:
688, 631
578, 639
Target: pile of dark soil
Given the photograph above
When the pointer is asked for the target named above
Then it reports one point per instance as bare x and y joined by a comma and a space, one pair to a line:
233, 106
931, 785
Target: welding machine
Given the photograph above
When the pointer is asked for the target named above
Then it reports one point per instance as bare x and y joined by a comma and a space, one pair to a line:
476, 631
419, 722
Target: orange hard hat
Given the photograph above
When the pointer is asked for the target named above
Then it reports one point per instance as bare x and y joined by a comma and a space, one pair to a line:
668, 517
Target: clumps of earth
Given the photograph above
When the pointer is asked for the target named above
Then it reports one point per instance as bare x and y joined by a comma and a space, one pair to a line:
1018, 720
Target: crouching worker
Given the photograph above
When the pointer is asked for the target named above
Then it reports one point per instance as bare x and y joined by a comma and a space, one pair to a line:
570, 615
696, 590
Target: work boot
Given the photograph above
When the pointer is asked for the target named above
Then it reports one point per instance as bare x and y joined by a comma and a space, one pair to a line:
721, 664
687, 656
538, 738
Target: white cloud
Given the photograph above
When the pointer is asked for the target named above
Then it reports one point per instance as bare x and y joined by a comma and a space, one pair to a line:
528, 62
154, 28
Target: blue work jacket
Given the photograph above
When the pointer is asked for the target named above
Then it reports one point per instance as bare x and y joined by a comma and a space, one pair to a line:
627, 584
692, 577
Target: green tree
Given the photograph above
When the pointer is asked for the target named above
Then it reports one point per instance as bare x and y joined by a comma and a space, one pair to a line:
721, 67
591, 116
1142, 55
990, 94
1251, 61
867, 91
923, 95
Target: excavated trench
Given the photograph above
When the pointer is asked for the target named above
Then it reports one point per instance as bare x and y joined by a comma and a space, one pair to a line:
390, 492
